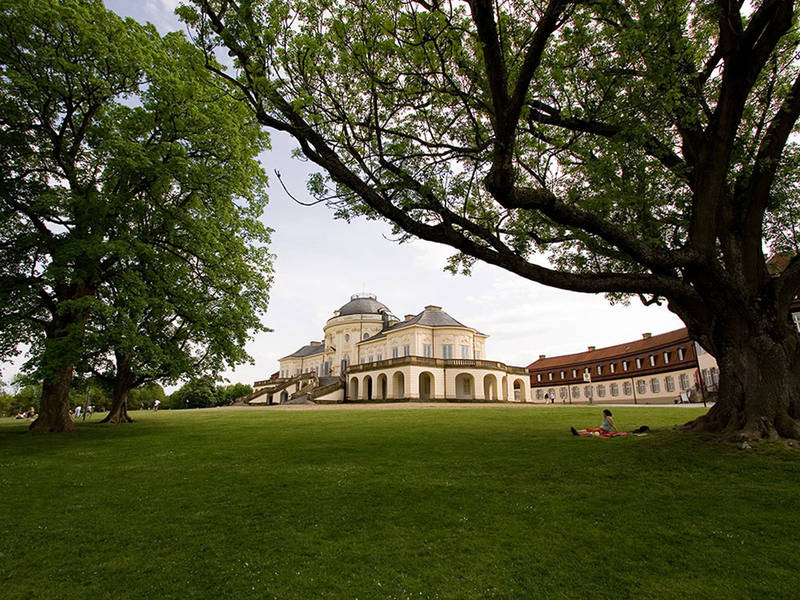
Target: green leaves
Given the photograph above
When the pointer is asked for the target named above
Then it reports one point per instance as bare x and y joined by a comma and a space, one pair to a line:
131, 197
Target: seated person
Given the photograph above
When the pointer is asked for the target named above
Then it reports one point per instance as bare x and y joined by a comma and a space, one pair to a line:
607, 429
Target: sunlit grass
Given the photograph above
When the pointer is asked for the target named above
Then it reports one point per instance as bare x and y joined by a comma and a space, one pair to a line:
495, 502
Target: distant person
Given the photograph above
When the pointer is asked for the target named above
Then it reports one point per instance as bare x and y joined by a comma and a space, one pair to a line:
77, 413
31, 414
607, 429
155, 405
89, 411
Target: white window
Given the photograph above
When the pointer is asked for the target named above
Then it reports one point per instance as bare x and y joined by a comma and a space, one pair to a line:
652, 360
641, 386
613, 367
601, 391
796, 319
394, 352
563, 374
538, 377
447, 351
684, 381
379, 357
426, 350
669, 383
361, 360
406, 350
666, 358
627, 388
655, 386
638, 363
550, 376
599, 369
576, 392
574, 372
615, 389
369, 359
465, 352
625, 365
681, 353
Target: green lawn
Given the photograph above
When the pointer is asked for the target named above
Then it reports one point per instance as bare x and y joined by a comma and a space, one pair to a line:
497, 502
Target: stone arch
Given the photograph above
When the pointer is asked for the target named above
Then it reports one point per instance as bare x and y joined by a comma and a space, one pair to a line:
426, 385
519, 390
465, 386
284, 396
489, 387
398, 385
367, 388
353, 388
382, 391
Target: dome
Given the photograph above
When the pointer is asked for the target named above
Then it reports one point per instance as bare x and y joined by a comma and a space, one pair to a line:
362, 304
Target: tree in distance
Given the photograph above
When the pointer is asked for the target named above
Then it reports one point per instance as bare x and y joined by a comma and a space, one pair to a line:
642, 146
120, 150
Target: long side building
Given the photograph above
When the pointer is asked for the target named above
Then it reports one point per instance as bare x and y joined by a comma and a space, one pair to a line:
654, 369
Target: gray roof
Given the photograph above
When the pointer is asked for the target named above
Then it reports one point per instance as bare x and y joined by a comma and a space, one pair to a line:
430, 317
363, 304
308, 350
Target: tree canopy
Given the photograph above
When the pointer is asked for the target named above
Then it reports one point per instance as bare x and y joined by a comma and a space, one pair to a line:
129, 175
644, 147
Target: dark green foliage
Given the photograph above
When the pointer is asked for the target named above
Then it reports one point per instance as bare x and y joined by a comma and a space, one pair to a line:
130, 194
197, 393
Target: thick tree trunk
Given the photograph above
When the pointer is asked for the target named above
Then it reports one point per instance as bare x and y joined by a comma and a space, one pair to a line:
54, 409
759, 394
123, 382
62, 350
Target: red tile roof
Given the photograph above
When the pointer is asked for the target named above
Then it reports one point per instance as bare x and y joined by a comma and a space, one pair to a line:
600, 354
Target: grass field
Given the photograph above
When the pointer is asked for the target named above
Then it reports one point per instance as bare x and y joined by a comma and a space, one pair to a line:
497, 502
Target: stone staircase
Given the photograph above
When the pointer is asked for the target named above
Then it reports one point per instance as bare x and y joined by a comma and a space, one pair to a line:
277, 387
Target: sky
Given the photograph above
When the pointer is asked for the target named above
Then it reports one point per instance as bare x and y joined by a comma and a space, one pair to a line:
320, 262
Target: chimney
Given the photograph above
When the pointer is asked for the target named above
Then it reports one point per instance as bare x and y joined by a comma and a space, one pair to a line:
409, 317
315, 343
384, 320
541, 356
647, 336
592, 348
432, 307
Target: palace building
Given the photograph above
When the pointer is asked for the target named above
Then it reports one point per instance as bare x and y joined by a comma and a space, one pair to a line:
367, 354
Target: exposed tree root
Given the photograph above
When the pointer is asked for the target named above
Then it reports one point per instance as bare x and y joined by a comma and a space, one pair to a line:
61, 426
736, 426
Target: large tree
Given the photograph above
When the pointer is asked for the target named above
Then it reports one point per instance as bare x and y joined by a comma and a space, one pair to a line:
105, 126
643, 146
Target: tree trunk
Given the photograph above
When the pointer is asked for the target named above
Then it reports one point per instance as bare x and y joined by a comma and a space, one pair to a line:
54, 410
64, 338
123, 382
759, 394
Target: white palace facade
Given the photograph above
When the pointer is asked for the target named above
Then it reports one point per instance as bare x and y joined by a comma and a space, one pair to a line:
369, 355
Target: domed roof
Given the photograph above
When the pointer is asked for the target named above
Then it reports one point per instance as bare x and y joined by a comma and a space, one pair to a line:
362, 304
